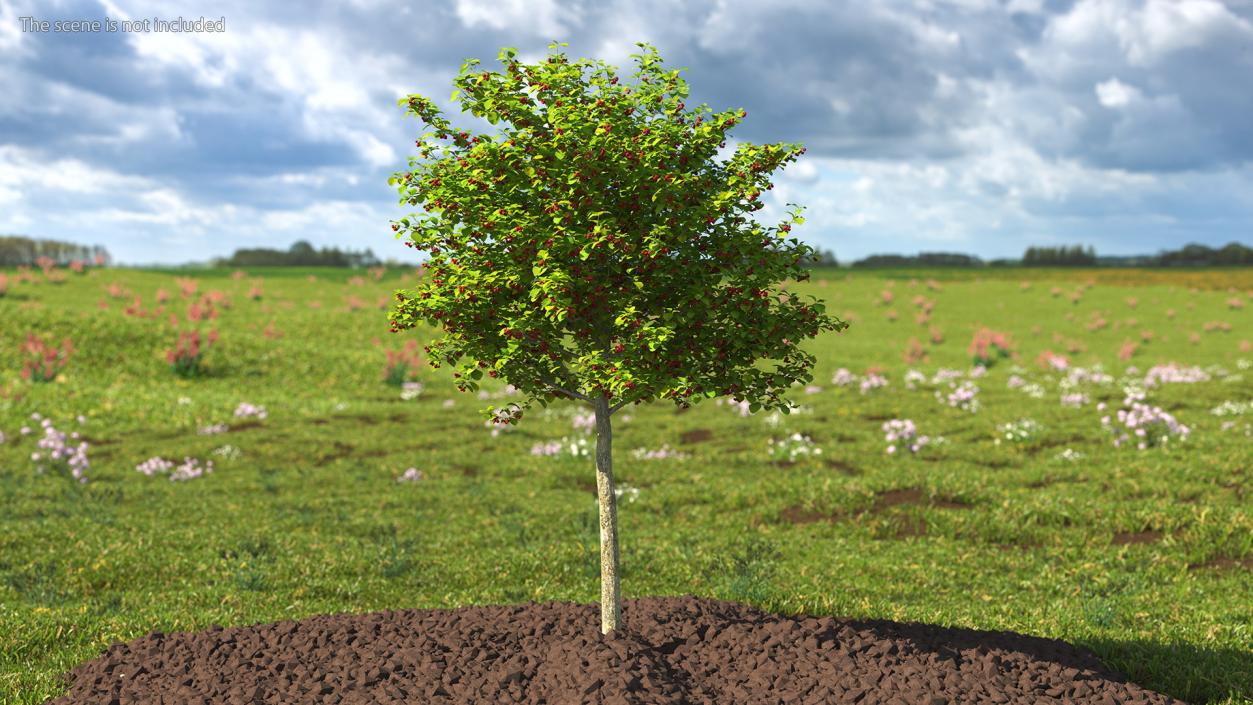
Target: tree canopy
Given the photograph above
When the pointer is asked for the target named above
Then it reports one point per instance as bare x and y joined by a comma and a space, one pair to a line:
596, 247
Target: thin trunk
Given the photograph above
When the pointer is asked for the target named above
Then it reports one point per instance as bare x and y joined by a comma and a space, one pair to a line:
610, 592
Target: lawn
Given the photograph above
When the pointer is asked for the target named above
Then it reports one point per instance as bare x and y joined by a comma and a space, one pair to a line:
1044, 528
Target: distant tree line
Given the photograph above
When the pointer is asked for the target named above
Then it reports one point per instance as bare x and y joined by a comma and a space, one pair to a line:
1074, 256
922, 259
18, 250
300, 254
1232, 255
1193, 255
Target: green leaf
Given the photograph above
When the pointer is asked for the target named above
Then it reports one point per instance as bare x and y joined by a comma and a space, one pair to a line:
476, 374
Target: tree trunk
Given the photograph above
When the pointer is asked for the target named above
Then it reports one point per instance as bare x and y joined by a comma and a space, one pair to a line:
610, 592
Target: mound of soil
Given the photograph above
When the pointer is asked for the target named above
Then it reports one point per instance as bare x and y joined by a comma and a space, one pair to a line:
669, 650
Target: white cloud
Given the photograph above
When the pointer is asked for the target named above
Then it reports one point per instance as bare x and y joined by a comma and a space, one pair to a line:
1145, 33
802, 171
326, 75
1165, 26
1116, 94
545, 18
11, 40
25, 171
347, 216
1028, 7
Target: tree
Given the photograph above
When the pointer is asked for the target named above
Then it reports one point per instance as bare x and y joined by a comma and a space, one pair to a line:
301, 253
595, 250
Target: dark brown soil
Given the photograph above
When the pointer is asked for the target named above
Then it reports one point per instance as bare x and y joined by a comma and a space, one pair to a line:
668, 650
893, 498
696, 436
797, 514
843, 466
911, 527
950, 503
1222, 563
1124, 538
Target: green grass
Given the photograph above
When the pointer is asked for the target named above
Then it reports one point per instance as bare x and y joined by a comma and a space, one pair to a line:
308, 519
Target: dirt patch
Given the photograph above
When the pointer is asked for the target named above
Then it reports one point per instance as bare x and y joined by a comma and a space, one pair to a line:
894, 498
245, 425
911, 526
878, 417
797, 514
1222, 563
364, 419
844, 467
1046, 481
951, 503
667, 650
699, 435
993, 463
469, 471
1123, 538
340, 451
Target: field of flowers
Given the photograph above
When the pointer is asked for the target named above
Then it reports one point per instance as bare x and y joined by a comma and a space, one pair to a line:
1063, 454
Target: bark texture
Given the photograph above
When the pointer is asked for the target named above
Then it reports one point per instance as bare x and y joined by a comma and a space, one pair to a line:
610, 592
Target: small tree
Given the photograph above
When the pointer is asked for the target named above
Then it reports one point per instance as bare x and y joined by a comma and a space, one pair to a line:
597, 251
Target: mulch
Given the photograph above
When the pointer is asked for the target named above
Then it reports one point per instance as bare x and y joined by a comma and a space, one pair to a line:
667, 650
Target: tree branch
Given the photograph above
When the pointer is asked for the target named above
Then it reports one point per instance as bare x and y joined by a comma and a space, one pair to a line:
573, 394
567, 392
619, 405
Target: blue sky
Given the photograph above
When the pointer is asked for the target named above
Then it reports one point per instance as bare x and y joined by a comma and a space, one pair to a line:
978, 126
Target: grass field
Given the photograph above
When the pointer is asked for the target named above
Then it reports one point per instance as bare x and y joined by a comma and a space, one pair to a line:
1144, 556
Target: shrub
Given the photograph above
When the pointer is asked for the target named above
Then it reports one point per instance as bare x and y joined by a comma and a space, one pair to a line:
186, 356
988, 346
44, 361
402, 365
